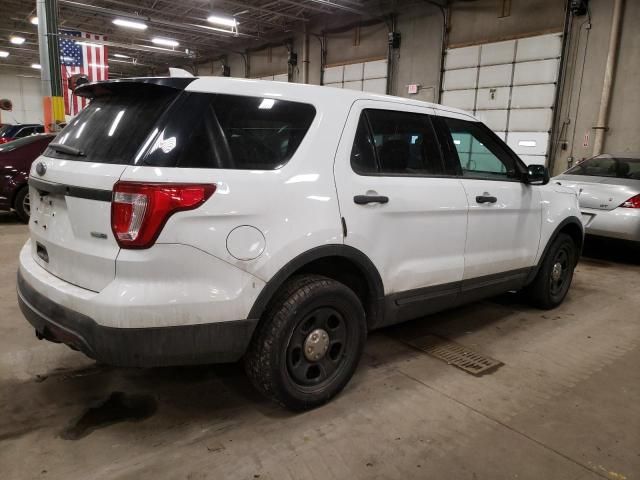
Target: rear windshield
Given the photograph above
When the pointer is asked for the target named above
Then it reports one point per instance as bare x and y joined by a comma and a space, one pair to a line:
188, 130
112, 128
608, 167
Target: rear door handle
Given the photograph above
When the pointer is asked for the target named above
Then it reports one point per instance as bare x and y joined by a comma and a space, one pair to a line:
486, 199
365, 199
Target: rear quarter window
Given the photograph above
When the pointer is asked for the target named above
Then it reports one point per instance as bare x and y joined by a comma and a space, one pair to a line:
229, 131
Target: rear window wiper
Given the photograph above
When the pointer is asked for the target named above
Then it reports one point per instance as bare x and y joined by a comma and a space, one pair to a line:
61, 148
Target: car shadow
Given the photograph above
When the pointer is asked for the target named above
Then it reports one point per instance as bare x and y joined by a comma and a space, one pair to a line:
9, 218
602, 249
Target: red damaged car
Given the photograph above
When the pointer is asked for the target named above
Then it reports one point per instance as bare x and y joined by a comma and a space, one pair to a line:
15, 162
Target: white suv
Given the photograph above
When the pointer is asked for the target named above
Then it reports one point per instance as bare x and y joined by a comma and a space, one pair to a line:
197, 220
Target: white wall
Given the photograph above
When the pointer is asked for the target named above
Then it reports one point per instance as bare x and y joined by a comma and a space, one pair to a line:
24, 92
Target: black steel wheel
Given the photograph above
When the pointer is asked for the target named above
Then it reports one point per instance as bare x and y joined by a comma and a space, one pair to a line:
308, 344
552, 282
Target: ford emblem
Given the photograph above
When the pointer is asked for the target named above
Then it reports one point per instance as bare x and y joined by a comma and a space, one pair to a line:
41, 168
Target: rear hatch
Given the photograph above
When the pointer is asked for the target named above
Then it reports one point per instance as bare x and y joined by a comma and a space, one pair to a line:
71, 183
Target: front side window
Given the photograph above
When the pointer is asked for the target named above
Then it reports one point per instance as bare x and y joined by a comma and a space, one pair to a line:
392, 142
479, 152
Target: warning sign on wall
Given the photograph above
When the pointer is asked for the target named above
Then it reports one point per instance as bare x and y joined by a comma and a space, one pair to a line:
585, 143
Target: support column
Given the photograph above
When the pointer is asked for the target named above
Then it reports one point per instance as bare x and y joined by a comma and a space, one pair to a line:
50, 72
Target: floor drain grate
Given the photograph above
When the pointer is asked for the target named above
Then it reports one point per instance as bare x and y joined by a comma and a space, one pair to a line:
455, 354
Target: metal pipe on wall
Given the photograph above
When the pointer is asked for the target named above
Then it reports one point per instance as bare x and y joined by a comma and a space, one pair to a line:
50, 70
305, 56
605, 100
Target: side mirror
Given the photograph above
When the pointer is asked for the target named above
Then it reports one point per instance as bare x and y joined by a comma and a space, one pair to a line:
537, 175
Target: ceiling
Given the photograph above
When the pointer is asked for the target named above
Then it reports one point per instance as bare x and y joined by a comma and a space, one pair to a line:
259, 22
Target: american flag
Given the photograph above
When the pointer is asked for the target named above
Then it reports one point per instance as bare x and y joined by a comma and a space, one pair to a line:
86, 58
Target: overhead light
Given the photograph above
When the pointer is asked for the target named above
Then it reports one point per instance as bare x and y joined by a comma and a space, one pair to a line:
527, 143
3, 54
224, 21
167, 42
34, 20
17, 40
130, 24
36, 66
120, 55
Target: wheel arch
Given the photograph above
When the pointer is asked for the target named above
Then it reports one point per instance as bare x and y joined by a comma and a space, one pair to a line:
573, 227
343, 263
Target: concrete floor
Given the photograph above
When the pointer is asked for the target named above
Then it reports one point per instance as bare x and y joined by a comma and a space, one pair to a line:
566, 404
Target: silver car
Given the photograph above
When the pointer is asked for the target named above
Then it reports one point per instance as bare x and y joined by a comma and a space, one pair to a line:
608, 188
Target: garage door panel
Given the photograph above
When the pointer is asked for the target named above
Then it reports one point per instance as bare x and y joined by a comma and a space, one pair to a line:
528, 143
539, 47
462, 57
530, 120
463, 99
495, 76
375, 85
493, 98
533, 159
533, 96
496, 120
460, 79
496, 53
377, 69
501, 135
353, 72
333, 74
542, 71
356, 85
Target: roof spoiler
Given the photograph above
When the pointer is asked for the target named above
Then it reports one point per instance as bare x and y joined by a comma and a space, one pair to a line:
109, 87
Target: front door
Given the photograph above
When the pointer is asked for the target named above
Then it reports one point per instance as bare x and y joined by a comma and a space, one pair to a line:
399, 205
505, 214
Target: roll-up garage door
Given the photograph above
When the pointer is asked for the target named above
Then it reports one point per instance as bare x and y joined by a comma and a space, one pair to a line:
511, 86
281, 77
368, 76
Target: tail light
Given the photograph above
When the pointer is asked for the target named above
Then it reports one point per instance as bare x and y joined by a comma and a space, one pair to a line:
140, 210
633, 202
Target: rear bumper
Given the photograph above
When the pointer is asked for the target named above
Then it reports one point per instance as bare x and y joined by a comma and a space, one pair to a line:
134, 347
621, 223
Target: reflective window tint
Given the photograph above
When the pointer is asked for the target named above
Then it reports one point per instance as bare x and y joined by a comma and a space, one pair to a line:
363, 156
403, 143
229, 131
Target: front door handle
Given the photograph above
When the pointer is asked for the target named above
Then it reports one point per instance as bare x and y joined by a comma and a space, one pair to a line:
486, 199
365, 199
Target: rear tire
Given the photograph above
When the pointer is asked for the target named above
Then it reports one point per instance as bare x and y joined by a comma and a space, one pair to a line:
308, 344
22, 205
552, 282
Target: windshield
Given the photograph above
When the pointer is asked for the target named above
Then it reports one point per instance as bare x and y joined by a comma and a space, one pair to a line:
608, 167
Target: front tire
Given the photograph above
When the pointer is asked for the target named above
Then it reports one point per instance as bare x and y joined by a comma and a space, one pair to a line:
22, 204
308, 344
552, 282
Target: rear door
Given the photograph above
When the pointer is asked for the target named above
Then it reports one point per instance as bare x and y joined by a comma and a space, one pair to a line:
400, 206
71, 184
505, 214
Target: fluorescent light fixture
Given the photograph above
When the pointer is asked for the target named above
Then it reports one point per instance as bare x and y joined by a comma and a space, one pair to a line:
120, 55
88, 44
17, 40
267, 103
167, 42
34, 20
3, 54
527, 143
121, 22
224, 21
36, 66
